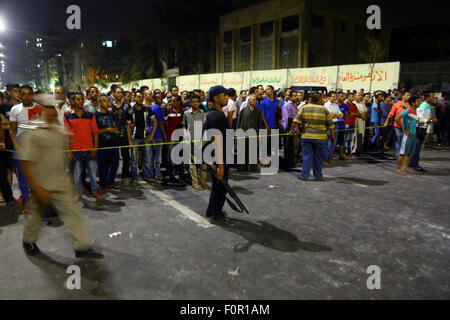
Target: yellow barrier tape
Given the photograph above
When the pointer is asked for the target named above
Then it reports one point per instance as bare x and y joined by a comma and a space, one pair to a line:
192, 141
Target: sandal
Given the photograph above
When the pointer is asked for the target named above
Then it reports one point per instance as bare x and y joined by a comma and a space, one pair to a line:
197, 186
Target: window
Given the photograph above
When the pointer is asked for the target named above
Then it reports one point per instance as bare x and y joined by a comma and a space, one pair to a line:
289, 52
266, 29
227, 56
265, 46
343, 26
244, 52
290, 23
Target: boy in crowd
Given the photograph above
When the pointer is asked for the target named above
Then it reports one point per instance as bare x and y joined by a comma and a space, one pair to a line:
84, 142
119, 109
108, 159
408, 127
138, 123
341, 125
158, 138
195, 118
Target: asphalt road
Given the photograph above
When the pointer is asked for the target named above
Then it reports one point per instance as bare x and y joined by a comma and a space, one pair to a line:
302, 240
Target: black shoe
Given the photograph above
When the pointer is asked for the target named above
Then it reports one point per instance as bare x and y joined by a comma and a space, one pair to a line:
216, 217
208, 214
90, 254
31, 249
419, 169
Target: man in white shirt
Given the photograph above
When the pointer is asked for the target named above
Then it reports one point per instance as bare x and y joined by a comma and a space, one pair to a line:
23, 117
230, 110
62, 108
360, 124
336, 113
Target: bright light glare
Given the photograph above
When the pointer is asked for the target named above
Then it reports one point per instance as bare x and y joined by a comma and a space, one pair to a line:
2, 25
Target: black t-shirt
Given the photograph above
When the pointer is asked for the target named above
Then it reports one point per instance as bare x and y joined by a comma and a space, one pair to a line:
217, 120
105, 120
140, 120
5, 109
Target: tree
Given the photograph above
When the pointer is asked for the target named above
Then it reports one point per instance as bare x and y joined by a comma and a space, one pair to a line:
374, 53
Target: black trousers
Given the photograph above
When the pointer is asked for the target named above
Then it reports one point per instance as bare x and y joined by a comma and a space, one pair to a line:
4, 184
126, 157
218, 193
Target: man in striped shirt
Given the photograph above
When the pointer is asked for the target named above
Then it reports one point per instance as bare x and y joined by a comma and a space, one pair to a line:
316, 122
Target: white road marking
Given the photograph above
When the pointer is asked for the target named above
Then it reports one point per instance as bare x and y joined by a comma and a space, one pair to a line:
190, 214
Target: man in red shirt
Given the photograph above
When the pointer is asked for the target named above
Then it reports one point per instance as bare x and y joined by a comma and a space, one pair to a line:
398, 108
350, 123
174, 120
83, 127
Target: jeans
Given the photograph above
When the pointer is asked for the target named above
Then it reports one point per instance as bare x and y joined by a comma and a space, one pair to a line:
332, 146
125, 153
420, 139
399, 133
108, 163
80, 158
155, 159
5, 187
348, 135
377, 132
314, 153
135, 159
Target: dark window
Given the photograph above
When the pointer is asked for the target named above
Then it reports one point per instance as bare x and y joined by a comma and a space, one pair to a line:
266, 29
245, 34
317, 21
343, 26
228, 37
289, 23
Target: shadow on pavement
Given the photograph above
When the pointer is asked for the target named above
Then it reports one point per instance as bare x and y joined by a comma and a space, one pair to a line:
268, 236
93, 276
103, 205
366, 182
443, 172
8, 216
242, 190
434, 159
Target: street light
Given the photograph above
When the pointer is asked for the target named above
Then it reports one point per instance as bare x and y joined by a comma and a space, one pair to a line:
2, 25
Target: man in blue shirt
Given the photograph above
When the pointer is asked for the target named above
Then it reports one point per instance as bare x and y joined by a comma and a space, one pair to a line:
341, 124
158, 137
268, 107
408, 126
375, 116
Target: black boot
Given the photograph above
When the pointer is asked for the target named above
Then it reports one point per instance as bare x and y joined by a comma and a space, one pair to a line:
89, 254
31, 249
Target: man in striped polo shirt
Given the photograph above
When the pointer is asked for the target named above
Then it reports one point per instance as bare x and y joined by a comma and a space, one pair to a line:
316, 121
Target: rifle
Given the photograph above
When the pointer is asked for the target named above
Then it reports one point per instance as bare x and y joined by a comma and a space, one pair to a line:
230, 190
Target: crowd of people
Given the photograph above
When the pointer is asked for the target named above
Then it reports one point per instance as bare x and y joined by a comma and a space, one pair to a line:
54, 142
136, 126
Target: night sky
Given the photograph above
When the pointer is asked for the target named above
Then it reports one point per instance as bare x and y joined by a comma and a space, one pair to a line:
110, 18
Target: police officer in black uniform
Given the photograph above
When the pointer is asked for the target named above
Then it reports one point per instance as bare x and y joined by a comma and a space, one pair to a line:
215, 119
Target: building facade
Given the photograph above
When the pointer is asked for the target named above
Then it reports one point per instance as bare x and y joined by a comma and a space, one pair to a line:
280, 34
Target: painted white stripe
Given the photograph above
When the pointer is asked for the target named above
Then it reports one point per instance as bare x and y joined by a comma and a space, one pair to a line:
192, 215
